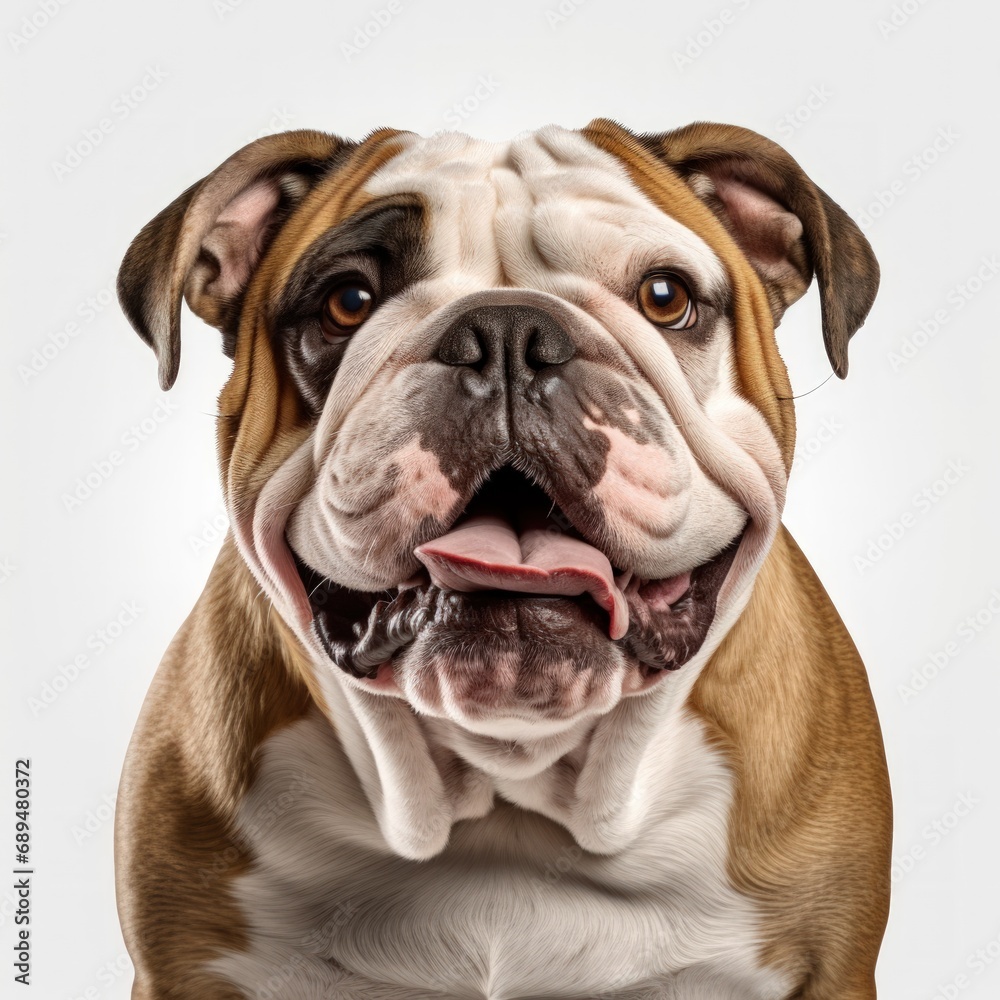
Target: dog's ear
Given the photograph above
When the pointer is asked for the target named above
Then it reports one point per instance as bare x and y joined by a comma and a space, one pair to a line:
205, 245
787, 226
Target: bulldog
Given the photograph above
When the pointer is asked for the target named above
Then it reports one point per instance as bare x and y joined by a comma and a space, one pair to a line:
508, 682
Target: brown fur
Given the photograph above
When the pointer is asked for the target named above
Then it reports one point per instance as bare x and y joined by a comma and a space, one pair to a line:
810, 834
226, 682
164, 260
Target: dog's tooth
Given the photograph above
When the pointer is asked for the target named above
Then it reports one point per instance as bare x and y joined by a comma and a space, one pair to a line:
390, 624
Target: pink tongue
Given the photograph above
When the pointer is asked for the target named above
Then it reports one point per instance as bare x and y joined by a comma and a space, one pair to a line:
485, 552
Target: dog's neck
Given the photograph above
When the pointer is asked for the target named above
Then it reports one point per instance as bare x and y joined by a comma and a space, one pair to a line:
422, 774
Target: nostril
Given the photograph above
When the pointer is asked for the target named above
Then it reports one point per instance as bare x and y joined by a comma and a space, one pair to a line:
548, 345
462, 346
516, 343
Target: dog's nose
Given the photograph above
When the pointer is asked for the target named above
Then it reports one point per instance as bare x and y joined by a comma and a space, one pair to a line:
509, 342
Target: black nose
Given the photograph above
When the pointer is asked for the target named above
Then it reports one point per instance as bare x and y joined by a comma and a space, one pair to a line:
510, 343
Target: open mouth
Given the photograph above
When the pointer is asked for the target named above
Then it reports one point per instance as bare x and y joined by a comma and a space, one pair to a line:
512, 544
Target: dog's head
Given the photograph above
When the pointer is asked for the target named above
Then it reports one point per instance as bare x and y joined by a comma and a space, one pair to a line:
507, 431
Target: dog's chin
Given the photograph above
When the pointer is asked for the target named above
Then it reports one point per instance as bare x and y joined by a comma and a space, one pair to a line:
494, 661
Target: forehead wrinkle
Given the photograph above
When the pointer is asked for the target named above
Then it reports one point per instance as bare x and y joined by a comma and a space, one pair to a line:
545, 201
452, 174
565, 145
619, 246
527, 157
471, 242
520, 256
589, 215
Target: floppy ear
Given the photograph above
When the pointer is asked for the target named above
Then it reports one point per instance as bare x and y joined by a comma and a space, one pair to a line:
205, 245
787, 226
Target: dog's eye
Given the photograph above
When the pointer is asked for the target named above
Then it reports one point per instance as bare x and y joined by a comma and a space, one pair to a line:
347, 306
666, 301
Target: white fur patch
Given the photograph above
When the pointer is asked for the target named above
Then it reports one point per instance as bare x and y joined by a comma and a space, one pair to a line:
513, 907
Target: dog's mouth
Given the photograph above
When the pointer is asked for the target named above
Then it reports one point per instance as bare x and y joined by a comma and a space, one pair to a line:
512, 537
512, 545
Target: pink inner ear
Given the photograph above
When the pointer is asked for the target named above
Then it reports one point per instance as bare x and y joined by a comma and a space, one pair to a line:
765, 230
236, 239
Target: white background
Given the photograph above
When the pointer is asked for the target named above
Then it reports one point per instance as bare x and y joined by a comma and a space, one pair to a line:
205, 78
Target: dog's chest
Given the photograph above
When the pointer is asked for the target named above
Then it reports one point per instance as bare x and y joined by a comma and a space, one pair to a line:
513, 908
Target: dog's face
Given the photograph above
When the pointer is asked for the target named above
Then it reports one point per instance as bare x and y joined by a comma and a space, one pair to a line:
507, 432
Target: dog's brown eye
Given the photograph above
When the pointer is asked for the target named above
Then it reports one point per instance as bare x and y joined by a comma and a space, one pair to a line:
347, 306
665, 300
